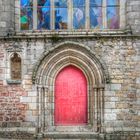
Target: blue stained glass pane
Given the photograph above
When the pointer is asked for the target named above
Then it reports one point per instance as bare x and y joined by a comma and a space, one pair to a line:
113, 17
61, 21
95, 2
95, 17
112, 2
26, 18
95, 13
43, 12
25, 3
61, 14
60, 3
79, 18
79, 14
78, 3
43, 2
43, 18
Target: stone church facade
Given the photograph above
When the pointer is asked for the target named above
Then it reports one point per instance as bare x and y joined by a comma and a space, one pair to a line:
31, 60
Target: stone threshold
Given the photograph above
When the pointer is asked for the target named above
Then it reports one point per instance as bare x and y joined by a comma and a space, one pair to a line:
73, 135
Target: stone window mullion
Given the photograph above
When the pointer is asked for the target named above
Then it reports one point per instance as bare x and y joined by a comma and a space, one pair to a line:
122, 13
34, 14
104, 14
72, 9
87, 7
102, 108
52, 20
70, 14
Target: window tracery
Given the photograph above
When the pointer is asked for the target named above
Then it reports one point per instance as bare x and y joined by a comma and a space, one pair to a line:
69, 14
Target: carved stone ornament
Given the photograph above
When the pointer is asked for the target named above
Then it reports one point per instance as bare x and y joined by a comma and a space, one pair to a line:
15, 47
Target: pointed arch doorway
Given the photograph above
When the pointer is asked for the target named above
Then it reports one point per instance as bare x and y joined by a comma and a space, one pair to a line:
70, 97
49, 70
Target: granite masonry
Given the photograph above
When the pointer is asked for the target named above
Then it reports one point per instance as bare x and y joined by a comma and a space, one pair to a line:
109, 58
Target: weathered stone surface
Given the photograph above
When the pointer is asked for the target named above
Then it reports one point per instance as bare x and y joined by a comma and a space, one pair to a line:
6, 17
121, 99
133, 15
22, 104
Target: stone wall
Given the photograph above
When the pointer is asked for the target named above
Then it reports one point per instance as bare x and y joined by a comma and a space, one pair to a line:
12, 110
133, 15
121, 96
7, 17
119, 52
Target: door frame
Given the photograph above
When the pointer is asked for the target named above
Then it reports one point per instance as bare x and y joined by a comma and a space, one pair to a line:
85, 95
62, 55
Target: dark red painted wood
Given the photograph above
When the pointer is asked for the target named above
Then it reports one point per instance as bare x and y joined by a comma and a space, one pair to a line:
70, 97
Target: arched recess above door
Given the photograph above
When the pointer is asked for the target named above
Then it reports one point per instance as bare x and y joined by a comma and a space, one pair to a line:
45, 73
67, 53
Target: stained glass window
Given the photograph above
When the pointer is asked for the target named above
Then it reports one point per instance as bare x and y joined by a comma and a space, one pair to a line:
43, 12
61, 14
95, 13
113, 14
26, 16
78, 14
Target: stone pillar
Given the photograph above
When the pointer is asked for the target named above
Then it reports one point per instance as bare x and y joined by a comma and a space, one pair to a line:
99, 107
133, 16
41, 110
38, 108
95, 108
7, 17
102, 108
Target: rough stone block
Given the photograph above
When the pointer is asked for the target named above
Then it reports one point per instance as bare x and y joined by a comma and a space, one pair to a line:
115, 87
2, 24
109, 105
32, 106
110, 117
25, 99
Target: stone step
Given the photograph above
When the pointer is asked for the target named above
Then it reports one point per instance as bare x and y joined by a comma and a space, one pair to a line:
74, 136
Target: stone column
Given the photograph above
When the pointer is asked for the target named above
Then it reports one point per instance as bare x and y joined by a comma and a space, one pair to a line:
95, 108
38, 108
42, 109
99, 106
102, 107
98, 110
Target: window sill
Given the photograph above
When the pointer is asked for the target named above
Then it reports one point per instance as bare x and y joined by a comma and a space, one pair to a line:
10, 81
72, 33
58, 34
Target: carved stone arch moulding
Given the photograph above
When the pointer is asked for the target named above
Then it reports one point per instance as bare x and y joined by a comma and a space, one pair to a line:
45, 72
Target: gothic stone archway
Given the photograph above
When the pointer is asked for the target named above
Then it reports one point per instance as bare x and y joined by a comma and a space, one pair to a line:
45, 73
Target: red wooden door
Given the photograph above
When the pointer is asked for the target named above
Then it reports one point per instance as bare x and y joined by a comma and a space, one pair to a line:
70, 97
